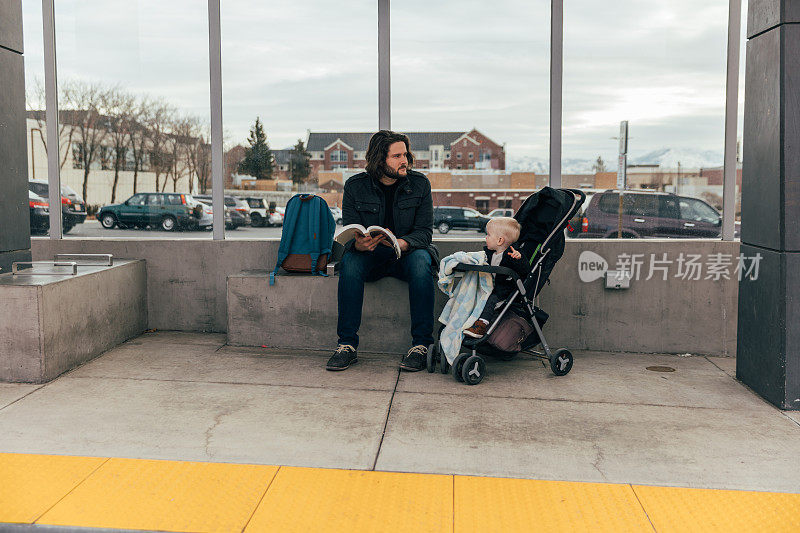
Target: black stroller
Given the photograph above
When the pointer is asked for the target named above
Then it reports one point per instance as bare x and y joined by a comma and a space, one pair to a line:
543, 217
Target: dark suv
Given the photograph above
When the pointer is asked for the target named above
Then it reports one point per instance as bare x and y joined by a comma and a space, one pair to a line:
446, 218
73, 208
646, 214
169, 211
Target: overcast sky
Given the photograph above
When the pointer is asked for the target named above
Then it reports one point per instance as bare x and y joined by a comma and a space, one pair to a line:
455, 65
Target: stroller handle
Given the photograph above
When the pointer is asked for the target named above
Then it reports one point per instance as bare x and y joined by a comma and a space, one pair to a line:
465, 267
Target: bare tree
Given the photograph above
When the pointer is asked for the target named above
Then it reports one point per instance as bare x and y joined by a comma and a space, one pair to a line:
157, 124
178, 140
139, 139
197, 153
202, 165
36, 103
85, 111
120, 110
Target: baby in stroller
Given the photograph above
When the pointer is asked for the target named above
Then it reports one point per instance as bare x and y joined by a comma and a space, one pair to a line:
510, 322
501, 234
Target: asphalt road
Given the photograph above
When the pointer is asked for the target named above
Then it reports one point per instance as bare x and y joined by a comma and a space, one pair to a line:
92, 228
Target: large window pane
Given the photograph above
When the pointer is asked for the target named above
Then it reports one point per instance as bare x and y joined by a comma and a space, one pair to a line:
134, 114
470, 85
35, 103
660, 66
299, 93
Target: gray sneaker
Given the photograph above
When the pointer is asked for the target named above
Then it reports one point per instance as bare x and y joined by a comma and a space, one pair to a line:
344, 356
416, 359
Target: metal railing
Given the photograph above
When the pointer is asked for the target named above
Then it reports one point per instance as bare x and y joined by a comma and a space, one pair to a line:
28, 268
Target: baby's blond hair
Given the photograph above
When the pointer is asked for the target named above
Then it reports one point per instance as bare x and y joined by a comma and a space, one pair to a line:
507, 227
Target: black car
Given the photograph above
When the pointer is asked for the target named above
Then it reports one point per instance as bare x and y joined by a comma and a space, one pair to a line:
40, 213
73, 207
446, 218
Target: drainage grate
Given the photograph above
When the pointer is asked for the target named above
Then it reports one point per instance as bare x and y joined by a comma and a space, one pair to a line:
661, 369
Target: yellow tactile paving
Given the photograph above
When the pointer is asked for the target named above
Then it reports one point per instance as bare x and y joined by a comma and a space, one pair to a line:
495, 504
165, 496
705, 510
186, 496
32, 484
308, 499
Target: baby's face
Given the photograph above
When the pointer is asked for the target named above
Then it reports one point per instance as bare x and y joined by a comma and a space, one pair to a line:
493, 239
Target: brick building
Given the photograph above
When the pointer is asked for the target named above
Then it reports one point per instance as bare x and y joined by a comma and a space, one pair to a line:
432, 150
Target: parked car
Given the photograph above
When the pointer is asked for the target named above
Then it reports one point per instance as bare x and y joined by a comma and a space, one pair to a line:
446, 218
40, 213
501, 212
169, 211
260, 213
238, 209
73, 207
207, 206
337, 214
646, 214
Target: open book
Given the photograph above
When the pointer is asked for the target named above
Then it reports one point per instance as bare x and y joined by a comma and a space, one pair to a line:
349, 232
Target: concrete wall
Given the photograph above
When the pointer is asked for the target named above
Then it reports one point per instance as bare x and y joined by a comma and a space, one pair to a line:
14, 217
187, 280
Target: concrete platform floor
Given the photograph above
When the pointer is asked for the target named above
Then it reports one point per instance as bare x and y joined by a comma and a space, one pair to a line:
190, 397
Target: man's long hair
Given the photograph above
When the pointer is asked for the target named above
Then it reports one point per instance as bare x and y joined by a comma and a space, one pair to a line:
378, 150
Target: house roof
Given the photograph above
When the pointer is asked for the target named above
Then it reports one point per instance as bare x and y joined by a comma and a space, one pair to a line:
420, 140
282, 157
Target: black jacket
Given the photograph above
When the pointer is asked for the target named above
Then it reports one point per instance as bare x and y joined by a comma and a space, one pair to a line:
363, 203
505, 285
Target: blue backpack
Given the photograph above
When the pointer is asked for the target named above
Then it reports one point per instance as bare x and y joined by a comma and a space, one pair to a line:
307, 236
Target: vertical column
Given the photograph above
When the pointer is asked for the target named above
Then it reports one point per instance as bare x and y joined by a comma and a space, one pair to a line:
556, 86
217, 153
15, 235
384, 70
768, 343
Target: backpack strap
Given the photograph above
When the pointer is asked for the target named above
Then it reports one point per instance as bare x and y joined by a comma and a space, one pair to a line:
314, 236
290, 219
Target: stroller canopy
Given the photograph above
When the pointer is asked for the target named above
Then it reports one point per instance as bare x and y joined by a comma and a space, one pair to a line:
543, 217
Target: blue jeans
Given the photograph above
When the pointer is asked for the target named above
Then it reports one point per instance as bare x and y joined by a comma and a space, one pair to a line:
359, 267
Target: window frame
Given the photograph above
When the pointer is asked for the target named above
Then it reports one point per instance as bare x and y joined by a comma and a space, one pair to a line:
384, 104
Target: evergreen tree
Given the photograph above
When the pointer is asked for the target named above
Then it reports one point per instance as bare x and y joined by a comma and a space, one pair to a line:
258, 161
299, 163
599, 165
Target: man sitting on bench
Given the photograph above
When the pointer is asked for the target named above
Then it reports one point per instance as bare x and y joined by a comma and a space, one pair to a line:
391, 195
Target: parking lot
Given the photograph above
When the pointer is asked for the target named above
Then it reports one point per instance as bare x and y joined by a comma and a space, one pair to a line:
92, 229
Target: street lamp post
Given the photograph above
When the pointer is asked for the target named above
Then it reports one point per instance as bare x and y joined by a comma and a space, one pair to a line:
622, 169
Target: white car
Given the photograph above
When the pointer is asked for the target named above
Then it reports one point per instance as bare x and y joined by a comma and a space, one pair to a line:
501, 212
337, 214
259, 213
207, 219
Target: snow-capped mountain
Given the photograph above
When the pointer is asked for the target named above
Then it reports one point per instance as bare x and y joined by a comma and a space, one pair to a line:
687, 157
664, 157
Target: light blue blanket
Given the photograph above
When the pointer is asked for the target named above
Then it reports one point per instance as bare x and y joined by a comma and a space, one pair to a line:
467, 299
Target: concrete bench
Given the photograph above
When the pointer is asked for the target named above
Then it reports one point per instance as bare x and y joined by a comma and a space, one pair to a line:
52, 323
300, 311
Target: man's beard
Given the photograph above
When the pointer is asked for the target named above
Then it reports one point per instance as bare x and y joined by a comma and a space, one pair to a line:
390, 173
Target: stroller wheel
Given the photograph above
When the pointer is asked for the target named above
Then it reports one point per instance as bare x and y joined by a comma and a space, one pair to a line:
432, 357
458, 365
444, 366
561, 363
474, 368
